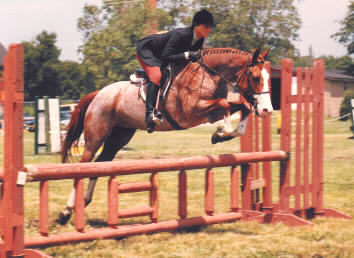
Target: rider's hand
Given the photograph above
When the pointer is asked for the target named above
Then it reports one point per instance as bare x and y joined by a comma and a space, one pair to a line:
194, 55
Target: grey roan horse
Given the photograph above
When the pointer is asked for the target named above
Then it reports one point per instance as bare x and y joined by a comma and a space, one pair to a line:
197, 95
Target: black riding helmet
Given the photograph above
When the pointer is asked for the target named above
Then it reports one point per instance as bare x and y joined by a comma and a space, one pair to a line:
203, 17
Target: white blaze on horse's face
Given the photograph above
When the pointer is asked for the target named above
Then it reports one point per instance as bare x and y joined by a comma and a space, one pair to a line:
264, 103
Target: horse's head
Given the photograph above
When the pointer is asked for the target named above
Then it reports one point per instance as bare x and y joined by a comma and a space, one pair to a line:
253, 81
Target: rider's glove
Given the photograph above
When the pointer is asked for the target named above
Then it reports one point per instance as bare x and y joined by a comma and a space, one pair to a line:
193, 55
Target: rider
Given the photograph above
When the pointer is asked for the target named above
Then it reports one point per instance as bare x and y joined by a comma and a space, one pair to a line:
178, 45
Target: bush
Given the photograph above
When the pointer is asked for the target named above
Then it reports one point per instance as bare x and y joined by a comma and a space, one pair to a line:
346, 106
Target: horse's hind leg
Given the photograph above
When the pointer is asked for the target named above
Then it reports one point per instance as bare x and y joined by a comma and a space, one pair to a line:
87, 156
117, 140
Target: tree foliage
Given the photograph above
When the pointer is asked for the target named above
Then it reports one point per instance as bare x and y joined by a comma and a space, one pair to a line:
74, 81
248, 24
346, 33
346, 106
111, 32
110, 37
332, 63
41, 73
338, 63
46, 75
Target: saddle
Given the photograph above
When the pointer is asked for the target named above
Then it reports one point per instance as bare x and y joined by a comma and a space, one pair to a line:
139, 78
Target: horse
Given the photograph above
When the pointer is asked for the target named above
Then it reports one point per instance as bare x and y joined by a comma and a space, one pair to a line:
196, 95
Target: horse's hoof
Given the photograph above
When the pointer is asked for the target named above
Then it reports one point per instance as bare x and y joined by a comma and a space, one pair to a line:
215, 138
150, 128
63, 217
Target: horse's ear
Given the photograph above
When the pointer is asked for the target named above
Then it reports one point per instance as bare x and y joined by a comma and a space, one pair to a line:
256, 55
265, 53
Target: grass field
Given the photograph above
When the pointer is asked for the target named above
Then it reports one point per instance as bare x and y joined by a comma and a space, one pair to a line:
327, 238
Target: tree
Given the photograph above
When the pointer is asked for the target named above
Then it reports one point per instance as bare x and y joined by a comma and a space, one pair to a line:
74, 81
111, 32
46, 75
110, 37
346, 33
248, 24
41, 73
332, 63
345, 106
339, 63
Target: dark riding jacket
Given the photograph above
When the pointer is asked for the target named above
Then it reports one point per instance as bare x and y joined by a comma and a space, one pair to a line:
167, 47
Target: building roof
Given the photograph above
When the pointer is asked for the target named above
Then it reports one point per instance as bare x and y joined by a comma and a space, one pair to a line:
337, 75
3, 52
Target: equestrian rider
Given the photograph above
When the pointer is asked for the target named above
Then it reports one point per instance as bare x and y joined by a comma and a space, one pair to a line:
175, 46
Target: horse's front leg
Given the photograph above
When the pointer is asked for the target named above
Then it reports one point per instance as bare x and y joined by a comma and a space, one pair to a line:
226, 132
215, 109
241, 128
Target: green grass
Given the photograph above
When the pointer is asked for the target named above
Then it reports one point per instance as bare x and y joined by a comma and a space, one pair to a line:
328, 237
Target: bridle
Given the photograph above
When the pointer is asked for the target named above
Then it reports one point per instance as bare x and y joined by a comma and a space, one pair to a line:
243, 74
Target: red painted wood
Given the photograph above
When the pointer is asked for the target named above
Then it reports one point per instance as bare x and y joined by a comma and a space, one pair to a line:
209, 192
246, 177
113, 191
154, 197
247, 138
306, 151
256, 148
319, 87
79, 208
315, 142
135, 212
182, 194
235, 189
30, 253
106, 233
267, 146
285, 139
13, 209
44, 208
298, 140
135, 187
40, 172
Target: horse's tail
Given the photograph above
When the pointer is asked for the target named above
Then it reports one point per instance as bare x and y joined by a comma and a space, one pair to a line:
76, 125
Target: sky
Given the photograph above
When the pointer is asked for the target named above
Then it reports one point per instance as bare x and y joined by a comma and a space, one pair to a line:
23, 20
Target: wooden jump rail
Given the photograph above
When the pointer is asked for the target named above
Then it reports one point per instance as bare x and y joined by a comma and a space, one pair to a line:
80, 171
255, 195
40, 172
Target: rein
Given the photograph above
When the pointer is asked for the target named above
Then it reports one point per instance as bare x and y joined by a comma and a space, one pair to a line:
240, 78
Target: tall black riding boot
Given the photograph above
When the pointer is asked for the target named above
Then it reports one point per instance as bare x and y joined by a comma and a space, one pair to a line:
151, 116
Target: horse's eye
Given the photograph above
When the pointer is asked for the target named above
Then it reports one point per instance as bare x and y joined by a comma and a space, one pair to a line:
256, 79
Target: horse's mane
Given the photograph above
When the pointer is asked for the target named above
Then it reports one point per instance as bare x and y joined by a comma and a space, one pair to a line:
221, 51
222, 55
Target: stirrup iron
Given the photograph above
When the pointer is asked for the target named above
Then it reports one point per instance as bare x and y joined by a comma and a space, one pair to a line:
156, 117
